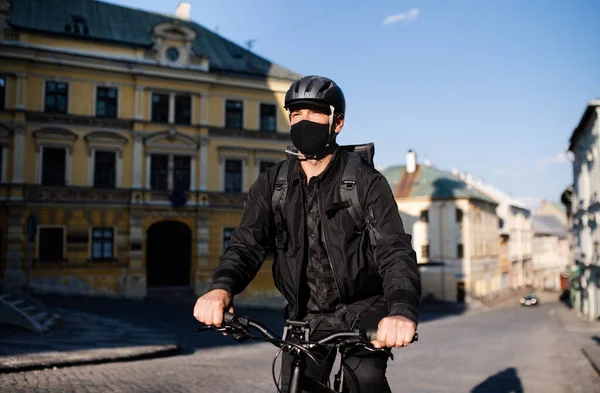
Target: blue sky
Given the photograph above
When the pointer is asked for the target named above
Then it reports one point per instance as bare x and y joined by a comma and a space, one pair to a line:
494, 88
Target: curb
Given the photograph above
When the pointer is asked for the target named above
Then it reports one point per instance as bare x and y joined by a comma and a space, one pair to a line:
41, 361
593, 362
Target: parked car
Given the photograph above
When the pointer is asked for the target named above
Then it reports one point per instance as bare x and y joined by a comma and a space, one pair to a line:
530, 300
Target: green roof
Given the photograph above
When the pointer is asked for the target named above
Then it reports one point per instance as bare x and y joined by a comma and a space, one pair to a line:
128, 26
433, 183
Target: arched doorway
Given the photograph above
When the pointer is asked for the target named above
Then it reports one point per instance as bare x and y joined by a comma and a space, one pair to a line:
168, 254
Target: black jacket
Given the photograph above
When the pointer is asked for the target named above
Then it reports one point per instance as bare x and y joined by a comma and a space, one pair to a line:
361, 271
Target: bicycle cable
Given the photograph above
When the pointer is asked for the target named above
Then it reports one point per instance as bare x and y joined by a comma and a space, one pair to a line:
304, 350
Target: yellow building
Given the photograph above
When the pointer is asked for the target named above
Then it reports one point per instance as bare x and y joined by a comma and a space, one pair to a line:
131, 139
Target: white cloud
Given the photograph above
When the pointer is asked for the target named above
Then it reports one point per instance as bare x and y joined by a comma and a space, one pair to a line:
562, 157
408, 16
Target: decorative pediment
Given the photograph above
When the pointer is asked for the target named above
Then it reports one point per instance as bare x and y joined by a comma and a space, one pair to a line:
53, 136
105, 137
173, 46
58, 134
105, 140
174, 31
170, 141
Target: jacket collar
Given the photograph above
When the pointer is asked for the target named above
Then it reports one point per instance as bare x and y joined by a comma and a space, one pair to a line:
328, 176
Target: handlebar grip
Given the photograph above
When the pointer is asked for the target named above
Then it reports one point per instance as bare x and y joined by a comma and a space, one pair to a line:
371, 335
228, 317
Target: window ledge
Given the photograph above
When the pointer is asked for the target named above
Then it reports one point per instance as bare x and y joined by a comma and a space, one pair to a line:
46, 263
112, 261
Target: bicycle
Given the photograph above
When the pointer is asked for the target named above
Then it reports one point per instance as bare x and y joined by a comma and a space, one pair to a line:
295, 340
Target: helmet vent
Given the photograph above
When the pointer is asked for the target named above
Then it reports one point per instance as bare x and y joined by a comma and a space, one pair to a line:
324, 87
310, 84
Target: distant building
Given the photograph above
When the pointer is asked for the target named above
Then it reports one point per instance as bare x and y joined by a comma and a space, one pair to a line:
555, 209
515, 232
454, 229
550, 252
585, 207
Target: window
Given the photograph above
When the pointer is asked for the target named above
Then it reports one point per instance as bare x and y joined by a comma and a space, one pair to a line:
51, 244
425, 251
459, 215
172, 54
264, 165
106, 102
103, 240
53, 166
159, 164
105, 169
424, 215
183, 110
268, 118
57, 97
160, 108
2, 93
182, 172
459, 251
500, 223
227, 232
234, 114
233, 176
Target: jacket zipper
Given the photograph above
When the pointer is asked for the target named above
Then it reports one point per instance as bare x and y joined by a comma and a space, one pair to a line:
327, 251
299, 271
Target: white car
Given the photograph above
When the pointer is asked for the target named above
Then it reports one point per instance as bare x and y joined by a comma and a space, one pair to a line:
529, 300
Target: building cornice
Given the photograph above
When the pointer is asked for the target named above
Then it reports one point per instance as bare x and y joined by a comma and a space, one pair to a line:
136, 66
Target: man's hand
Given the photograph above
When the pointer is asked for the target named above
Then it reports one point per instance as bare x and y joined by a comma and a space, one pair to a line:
210, 307
394, 331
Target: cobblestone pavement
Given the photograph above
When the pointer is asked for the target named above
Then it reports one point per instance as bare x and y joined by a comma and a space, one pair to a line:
500, 351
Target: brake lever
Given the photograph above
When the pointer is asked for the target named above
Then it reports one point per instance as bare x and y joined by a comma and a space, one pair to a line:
235, 333
389, 353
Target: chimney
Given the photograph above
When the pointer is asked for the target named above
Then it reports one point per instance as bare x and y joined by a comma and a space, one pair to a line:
411, 161
463, 176
455, 171
427, 162
183, 10
469, 178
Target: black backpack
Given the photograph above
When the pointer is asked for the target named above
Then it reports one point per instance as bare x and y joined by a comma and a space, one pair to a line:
348, 191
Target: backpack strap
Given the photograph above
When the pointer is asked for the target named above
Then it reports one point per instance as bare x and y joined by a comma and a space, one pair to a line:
349, 193
348, 190
279, 193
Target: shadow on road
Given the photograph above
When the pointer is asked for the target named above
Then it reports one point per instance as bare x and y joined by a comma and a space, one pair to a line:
506, 381
596, 339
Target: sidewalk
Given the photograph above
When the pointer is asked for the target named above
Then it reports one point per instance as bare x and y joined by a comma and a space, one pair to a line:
80, 338
100, 330
585, 334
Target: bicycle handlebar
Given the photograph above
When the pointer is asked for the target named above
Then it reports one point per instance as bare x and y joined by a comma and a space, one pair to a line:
365, 335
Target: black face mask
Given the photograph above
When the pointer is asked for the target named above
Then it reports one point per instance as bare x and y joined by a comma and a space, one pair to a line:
312, 139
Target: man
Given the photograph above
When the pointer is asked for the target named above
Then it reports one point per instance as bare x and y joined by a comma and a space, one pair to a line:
327, 267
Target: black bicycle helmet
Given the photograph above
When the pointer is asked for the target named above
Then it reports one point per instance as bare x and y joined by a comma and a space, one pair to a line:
318, 91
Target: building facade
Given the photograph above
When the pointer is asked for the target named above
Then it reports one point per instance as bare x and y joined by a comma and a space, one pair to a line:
550, 252
128, 143
454, 229
585, 209
516, 233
